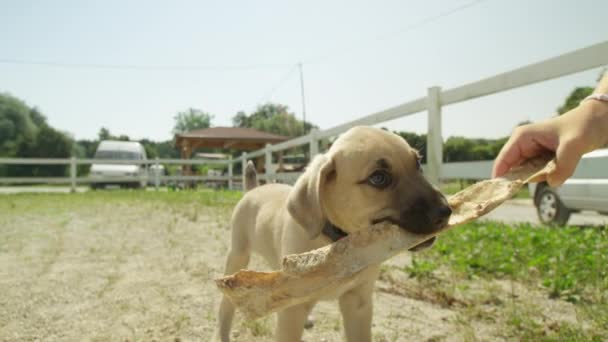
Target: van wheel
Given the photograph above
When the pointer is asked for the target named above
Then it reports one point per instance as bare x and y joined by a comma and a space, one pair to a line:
132, 185
550, 208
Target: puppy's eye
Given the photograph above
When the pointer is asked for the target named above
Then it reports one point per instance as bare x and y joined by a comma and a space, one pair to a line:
380, 179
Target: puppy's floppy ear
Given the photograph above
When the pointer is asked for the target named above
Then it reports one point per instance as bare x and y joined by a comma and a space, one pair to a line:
305, 202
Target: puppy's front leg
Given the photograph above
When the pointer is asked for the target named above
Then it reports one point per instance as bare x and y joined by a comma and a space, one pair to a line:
290, 323
356, 306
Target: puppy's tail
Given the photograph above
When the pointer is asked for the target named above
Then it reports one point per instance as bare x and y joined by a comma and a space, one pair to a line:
251, 177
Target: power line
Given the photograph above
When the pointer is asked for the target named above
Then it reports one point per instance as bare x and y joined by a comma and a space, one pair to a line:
143, 67
278, 85
389, 35
303, 98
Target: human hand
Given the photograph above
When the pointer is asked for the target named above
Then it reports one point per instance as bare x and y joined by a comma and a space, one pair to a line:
569, 136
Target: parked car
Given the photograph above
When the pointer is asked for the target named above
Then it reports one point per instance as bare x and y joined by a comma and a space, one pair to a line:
124, 175
587, 189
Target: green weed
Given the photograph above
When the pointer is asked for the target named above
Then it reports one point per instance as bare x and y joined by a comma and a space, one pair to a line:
567, 261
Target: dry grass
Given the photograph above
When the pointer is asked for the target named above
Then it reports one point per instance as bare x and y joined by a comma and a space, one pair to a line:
120, 265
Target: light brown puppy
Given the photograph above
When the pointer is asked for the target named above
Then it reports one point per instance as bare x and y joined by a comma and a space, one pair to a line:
367, 176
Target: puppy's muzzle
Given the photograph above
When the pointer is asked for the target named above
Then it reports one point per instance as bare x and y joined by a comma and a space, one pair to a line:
423, 216
441, 216
426, 218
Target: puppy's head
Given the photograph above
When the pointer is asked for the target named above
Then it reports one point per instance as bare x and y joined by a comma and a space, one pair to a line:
368, 176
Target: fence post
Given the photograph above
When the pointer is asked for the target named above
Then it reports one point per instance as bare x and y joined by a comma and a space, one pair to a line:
243, 167
434, 141
268, 163
156, 174
73, 174
313, 144
230, 173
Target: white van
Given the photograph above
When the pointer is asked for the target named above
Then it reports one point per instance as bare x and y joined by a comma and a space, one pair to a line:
123, 174
587, 189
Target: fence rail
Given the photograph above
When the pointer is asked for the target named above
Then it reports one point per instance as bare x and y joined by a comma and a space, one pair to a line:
569, 63
149, 175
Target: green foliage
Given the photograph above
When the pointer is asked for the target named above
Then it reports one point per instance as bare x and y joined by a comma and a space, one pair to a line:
24, 132
465, 149
86, 148
43, 203
165, 149
421, 268
417, 141
575, 97
568, 262
48, 143
273, 118
104, 134
458, 148
191, 119
16, 125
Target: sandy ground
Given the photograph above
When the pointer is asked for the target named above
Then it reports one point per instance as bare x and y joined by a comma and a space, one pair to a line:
143, 270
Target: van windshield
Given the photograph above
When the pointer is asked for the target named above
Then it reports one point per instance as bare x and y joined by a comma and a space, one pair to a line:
117, 155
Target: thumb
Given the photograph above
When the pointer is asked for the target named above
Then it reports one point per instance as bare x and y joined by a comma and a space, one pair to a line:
567, 156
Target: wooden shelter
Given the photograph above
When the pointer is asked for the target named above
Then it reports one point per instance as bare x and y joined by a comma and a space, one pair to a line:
237, 138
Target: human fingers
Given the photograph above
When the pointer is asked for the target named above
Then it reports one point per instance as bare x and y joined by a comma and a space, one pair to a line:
567, 156
525, 142
509, 156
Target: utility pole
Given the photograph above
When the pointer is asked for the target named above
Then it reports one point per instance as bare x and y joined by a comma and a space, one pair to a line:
303, 99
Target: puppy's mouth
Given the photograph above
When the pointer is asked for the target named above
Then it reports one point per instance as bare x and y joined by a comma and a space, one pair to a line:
423, 245
419, 247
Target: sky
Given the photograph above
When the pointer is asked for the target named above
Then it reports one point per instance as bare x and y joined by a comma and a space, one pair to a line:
358, 57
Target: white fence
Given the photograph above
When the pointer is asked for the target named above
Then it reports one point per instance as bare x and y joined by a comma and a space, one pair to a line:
152, 176
576, 61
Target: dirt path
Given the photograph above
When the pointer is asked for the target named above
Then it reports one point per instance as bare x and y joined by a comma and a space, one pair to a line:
143, 270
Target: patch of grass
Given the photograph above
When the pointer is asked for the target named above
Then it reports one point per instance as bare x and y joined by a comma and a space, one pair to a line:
421, 268
567, 261
258, 327
570, 263
522, 324
181, 321
51, 203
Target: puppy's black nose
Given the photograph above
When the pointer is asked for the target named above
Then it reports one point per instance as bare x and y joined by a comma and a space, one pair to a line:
442, 215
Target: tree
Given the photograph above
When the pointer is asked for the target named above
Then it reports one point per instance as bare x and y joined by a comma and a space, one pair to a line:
104, 134
49, 143
240, 120
417, 141
273, 118
575, 97
191, 119
24, 132
16, 125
